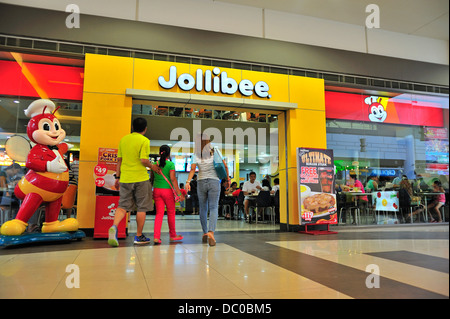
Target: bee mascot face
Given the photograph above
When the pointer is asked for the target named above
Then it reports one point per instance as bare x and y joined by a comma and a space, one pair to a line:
47, 178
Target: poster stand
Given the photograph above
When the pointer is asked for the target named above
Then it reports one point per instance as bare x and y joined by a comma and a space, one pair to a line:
316, 190
317, 231
106, 197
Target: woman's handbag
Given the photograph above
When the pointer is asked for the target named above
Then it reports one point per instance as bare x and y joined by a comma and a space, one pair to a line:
219, 165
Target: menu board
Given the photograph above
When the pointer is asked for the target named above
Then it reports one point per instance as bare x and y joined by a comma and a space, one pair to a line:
316, 192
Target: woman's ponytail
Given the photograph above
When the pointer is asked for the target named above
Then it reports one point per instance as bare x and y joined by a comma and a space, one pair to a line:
164, 154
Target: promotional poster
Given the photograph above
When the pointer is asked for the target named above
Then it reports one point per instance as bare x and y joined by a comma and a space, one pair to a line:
316, 192
104, 172
107, 196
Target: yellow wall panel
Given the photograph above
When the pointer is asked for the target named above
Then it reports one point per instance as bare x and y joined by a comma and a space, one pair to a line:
106, 118
307, 93
293, 197
107, 74
278, 85
306, 128
86, 194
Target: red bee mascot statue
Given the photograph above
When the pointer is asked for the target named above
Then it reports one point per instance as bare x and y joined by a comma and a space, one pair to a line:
48, 176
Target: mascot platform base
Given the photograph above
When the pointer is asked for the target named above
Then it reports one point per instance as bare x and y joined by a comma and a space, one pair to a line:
32, 238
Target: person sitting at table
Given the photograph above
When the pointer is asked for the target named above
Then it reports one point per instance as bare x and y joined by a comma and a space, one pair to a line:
420, 184
265, 184
405, 197
372, 184
353, 183
249, 188
237, 191
231, 189
276, 186
228, 198
437, 203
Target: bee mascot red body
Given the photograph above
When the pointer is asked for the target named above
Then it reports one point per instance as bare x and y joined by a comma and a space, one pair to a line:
48, 176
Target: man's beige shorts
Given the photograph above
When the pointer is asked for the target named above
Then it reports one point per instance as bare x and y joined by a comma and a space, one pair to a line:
136, 196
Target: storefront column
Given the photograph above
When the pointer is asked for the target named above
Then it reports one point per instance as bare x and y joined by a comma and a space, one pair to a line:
302, 127
106, 118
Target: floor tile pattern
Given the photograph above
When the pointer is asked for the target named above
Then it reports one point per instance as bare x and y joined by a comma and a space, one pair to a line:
247, 263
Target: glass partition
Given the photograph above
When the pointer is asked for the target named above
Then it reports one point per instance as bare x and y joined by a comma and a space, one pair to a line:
384, 139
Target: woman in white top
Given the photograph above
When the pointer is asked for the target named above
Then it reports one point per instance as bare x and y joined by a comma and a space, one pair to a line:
208, 186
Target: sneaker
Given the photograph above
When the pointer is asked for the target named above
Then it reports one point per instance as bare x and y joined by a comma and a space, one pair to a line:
112, 236
176, 238
141, 240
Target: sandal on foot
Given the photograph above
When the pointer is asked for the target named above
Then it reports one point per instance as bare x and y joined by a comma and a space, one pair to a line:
176, 238
211, 239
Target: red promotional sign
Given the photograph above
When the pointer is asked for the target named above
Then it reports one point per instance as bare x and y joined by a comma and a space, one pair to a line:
396, 110
107, 198
105, 209
41, 80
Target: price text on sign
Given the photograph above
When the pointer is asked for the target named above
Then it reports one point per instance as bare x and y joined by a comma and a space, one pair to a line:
99, 182
308, 216
100, 170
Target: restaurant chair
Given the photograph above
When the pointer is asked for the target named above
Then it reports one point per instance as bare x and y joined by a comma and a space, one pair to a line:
225, 206
276, 204
264, 201
407, 205
239, 206
343, 206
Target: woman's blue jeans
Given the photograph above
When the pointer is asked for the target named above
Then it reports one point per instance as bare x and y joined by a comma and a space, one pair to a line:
208, 191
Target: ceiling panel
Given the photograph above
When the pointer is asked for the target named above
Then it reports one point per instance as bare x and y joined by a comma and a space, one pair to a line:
427, 18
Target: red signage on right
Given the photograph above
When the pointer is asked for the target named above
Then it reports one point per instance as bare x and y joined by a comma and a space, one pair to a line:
395, 110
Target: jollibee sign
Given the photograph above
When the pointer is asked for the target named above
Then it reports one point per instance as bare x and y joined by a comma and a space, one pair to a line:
376, 109
213, 80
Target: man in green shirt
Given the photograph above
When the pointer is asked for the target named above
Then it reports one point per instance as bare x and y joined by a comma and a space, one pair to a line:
132, 180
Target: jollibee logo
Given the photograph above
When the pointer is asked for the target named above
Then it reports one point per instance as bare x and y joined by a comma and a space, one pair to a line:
213, 81
112, 209
377, 113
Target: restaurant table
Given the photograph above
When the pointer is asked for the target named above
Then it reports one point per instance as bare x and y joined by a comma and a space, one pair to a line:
355, 200
253, 197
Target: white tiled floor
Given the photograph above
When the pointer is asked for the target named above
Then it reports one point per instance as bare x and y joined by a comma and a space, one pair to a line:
191, 270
